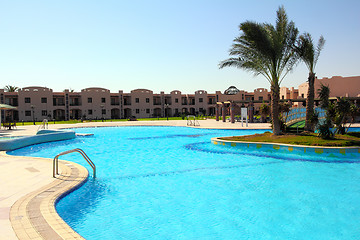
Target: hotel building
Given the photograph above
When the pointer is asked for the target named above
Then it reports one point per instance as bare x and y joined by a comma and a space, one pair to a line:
38, 103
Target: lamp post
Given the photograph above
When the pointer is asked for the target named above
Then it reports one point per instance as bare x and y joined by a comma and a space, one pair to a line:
102, 113
166, 112
33, 116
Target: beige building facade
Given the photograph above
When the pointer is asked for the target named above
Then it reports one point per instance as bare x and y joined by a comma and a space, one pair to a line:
38, 103
339, 86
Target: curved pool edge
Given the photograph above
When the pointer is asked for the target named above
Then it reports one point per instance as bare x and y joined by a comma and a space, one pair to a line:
41, 136
287, 147
34, 216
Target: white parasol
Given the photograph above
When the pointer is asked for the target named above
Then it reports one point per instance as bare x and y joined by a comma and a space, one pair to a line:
5, 107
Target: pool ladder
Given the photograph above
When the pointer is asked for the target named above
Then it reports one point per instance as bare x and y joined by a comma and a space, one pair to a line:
191, 121
56, 161
44, 125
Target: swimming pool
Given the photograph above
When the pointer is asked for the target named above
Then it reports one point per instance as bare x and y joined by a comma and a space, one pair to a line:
172, 183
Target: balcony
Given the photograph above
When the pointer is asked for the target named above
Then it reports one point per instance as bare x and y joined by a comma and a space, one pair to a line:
59, 101
127, 101
157, 101
12, 101
114, 101
75, 102
211, 101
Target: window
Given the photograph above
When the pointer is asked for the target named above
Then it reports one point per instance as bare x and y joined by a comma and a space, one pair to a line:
27, 113
44, 112
147, 100
27, 100
176, 100
90, 111
200, 100
103, 111
282, 97
302, 95
147, 110
137, 111
103, 100
43, 100
261, 98
89, 100
60, 102
137, 100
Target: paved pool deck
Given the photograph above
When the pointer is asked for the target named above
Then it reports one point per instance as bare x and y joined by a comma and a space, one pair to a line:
25, 180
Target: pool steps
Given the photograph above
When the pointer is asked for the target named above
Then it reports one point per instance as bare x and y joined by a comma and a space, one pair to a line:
84, 134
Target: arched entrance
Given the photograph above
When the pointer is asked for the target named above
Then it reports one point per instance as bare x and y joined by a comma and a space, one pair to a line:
59, 114
157, 112
115, 113
127, 113
75, 114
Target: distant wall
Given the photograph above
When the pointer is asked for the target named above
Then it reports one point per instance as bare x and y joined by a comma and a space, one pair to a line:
339, 86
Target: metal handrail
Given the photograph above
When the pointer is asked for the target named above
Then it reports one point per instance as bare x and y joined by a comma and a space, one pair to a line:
44, 125
192, 122
56, 159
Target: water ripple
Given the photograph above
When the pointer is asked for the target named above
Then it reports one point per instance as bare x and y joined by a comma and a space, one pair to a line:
289, 157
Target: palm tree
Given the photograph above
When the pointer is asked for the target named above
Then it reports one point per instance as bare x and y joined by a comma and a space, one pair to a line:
264, 111
324, 94
354, 112
267, 50
309, 55
10, 88
324, 128
284, 110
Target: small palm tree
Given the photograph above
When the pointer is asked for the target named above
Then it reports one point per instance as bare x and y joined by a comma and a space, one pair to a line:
324, 128
324, 94
267, 50
343, 110
354, 112
309, 55
264, 111
284, 110
9, 88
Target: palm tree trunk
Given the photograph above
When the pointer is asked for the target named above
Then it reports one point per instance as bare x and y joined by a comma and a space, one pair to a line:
275, 98
310, 102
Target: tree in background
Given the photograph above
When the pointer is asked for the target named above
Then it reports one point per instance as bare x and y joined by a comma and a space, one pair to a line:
345, 111
264, 111
267, 50
309, 55
9, 88
324, 128
354, 112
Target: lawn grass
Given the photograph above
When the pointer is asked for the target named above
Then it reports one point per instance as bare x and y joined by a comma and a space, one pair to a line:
300, 124
307, 139
107, 120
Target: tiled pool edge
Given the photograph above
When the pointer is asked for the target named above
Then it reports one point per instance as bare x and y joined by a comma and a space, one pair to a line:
34, 216
42, 136
287, 147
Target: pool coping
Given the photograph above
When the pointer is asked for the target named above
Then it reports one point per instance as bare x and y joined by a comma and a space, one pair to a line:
34, 216
288, 147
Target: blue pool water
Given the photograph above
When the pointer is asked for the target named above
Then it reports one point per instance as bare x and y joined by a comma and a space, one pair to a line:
172, 183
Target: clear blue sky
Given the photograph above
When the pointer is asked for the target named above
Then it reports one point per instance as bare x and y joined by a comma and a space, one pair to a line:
159, 45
